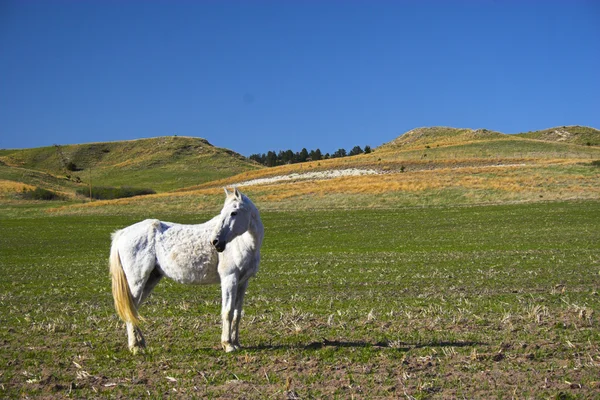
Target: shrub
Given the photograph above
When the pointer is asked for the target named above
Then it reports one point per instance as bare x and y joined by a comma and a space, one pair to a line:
596, 163
72, 167
110, 193
40, 194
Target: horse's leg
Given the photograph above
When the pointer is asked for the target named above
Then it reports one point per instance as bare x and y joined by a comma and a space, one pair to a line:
229, 285
139, 292
135, 337
153, 280
237, 315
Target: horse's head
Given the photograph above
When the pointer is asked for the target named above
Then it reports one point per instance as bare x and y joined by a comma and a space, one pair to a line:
234, 220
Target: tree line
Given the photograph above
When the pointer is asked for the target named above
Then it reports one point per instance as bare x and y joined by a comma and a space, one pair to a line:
271, 158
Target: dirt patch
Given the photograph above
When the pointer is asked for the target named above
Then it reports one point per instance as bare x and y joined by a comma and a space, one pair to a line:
316, 175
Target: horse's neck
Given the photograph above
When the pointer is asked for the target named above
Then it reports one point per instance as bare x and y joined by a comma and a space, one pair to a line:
256, 229
208, 225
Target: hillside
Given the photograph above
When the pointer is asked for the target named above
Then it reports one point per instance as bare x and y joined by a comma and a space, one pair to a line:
441, 136
161, 164
433, 149
581, 135
499, 169
444, 136
425, 166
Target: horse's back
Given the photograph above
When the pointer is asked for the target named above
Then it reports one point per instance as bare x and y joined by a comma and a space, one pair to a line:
136, 247
179, 251
139, 234
185, 254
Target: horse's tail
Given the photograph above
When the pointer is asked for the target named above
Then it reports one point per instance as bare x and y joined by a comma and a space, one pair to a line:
124, 304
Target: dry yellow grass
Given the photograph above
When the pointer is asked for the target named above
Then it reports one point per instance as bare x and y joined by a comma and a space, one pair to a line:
198, 201
518, 178
384, 161
9, 188
451, 185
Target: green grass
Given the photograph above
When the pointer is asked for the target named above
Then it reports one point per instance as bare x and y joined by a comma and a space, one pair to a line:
111, 193
427, 302
36, 178
432, 136
581, 135
440, 135
162, 163
501, 149
41, 194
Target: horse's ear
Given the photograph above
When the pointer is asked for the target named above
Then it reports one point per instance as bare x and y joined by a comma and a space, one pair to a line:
237, 193
227, 194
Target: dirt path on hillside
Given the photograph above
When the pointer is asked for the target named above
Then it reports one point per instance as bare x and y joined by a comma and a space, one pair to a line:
338, 173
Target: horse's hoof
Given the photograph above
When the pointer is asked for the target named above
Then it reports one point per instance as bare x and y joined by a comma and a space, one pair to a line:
137, 348
228, 347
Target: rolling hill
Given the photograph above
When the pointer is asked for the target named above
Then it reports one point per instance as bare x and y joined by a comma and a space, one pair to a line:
445, 136
425, 166
441, 136
161, 164
455, 167
581, 135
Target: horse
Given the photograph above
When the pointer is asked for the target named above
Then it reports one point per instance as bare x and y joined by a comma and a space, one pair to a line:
225, 249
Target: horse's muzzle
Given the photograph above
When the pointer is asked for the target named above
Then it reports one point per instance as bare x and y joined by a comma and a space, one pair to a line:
219, 246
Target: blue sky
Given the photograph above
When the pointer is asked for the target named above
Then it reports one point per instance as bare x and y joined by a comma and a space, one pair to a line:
254, 76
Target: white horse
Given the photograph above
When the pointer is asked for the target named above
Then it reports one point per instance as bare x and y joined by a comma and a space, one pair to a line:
225, 249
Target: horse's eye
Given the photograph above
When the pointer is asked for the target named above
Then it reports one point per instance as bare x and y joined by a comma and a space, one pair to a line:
233, 214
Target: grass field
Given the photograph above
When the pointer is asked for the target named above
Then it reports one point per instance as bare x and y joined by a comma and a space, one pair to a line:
480, 301
162, 164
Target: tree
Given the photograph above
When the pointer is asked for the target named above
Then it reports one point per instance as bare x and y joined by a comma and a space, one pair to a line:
259, 158
356, 150
303, 155
286, 157
282, 157
339, 153
271, 159
316, 155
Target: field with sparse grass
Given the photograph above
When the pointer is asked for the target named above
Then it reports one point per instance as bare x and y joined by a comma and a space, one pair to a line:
472, 301
458, 263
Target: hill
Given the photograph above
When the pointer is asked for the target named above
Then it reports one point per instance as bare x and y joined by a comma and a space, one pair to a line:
576, 134
425, 166
444, 136
441, 136
161, 164
468, 167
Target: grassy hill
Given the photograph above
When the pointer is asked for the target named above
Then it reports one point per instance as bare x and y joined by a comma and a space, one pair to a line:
444, 136
441, 136
425, 166
456, 167
161, 164
435, 149
581, 135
